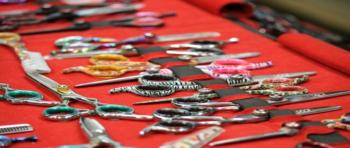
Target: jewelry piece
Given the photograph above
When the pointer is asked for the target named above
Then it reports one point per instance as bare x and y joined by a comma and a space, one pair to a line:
146, 90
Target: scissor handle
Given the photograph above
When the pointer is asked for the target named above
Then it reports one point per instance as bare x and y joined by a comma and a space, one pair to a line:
103, 110
61, 112
17, 96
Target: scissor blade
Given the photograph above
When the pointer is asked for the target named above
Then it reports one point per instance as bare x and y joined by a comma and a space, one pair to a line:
82, 55
186, 36
208, 59
308, 97
316, 110
92, 127
109, 81
108, 10
283, 75
45, 81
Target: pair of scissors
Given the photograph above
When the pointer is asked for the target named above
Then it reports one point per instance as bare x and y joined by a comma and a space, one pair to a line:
16, 96
341, 123
258, 115
78, 44
64, 112
110, 65
97, 135
157, 85
224, 68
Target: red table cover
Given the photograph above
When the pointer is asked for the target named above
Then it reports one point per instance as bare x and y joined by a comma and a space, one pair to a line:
190, 18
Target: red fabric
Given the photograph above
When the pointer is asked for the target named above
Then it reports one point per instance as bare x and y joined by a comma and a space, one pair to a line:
317, 50
154, 55
217, 86
196, 77
171, 64
189, 19
224, 7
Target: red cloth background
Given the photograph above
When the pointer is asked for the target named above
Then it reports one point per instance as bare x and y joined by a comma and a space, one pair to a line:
190, 19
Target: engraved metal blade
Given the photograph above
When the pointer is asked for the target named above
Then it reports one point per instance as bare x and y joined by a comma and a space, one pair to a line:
283, 75
186, 36
208, 59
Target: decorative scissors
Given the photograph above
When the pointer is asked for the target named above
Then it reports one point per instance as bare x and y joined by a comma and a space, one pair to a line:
258, 115
16, 96
342, 123
96, 133
65, 112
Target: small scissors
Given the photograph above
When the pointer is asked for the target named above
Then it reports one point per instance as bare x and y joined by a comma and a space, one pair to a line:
224, 68
65, 112
156, 85
16, 96
96, 133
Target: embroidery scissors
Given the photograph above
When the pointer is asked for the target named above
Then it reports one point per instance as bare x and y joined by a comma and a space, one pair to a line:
16, 96
258, 115
71, 15
65, 112
207, 93
97, 135
183, 102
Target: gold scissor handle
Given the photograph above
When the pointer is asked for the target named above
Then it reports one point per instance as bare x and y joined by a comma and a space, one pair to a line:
104, 59
98, 70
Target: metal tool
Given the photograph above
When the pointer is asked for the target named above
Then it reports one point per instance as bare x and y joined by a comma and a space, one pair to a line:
7, 141
341, 123
175, 126
182, 114
31, 61
15, 128
258, 115
183, 102
97, 135
79, 48
16, 96
65, 112
156, 85
195, 140
82, 25
210, 94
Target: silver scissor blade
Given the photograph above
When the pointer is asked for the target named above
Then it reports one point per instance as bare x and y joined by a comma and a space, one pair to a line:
109, 81
308, 97
209, 59
283, 75
45, 81
186, 36
82, 55
316, 110
92, 127
251, 138
107, 10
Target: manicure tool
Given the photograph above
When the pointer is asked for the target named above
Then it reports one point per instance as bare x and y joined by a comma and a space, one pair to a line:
31, 61
224, 68
15, 128
7, 141
288, 129
156, 85
182, 114
110, 65
175, 126
69, 15
183, 102
195, 60
195, 140
258, 115
206, 93
75, 44
82, 25
65, 112
342, 123
97, 135
16, 96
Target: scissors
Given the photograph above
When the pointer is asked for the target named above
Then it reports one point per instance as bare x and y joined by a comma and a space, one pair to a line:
156, 85
16, 96
96, 133
69, 15
65, 112
258, 115
341, 123
224, 68
83, 43
182, 114
109, 65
